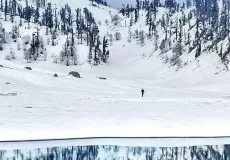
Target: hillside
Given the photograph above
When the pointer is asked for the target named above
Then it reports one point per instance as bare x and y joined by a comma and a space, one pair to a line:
181, 74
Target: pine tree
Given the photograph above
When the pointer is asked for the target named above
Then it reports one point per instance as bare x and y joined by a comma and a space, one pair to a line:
1, 5
37, 14
6, 9
49, 16
131, 20
105, 52
127, 11
2, 37
118, 36
53, 37
73, 54
97, 52
129, 35
90, 56
156, 38
65, 54
142, 38
136, 15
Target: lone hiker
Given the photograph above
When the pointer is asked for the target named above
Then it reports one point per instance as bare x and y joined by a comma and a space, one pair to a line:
142, 91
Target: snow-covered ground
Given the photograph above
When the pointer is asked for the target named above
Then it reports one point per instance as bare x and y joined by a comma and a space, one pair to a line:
34, 105
65, 107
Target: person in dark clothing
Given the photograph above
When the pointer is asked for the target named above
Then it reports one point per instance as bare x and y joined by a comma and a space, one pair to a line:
142, 91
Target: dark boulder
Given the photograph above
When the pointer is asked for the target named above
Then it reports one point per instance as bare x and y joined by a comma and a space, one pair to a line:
28, 68
1, 65
75, 74
102, 78
55, 75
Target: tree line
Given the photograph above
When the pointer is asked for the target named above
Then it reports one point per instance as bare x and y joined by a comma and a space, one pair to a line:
211, 27
77, 25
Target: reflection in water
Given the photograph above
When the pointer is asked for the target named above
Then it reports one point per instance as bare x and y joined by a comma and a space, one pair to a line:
120, 153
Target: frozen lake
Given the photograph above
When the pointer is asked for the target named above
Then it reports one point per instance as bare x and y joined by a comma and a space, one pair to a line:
138, 149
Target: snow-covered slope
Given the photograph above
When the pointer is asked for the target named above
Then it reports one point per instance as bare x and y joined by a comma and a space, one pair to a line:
193, 101
48, 107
